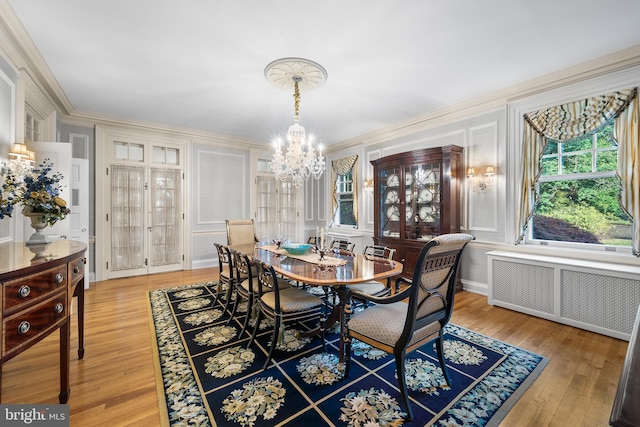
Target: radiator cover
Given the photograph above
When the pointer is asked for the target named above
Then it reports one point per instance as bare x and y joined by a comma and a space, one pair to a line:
599, 297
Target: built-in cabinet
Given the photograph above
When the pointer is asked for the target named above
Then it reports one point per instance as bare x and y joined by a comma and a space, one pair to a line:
416, 197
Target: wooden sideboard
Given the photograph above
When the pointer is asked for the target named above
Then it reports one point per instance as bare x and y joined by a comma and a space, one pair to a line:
37, 290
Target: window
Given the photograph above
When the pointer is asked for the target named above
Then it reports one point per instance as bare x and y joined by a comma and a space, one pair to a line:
128, 151
579, 193
344, 203
344, 193
31, 128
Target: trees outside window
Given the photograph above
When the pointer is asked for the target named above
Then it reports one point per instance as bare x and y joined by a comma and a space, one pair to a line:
579, 193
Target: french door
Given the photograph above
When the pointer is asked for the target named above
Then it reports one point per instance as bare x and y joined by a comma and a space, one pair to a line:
277, 207
143, 209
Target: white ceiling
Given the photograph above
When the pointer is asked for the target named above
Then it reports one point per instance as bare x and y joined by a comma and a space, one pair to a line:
198, 64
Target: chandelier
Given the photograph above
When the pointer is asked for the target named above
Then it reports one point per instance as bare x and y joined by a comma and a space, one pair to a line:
296, 159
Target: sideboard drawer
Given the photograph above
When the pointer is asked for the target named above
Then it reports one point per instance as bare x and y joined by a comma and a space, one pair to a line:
30, 324
76, 269
24, 291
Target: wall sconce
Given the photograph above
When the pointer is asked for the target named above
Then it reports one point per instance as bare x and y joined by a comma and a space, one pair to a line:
367, 185
21, 160
481, 181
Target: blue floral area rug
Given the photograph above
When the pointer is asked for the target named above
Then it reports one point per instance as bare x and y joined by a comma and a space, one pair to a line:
208, 377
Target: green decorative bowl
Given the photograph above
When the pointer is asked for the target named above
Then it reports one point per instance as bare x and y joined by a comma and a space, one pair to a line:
296, 248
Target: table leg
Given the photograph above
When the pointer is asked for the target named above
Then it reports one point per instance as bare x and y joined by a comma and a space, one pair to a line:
343, 307
65, 350
79, 293
339, 313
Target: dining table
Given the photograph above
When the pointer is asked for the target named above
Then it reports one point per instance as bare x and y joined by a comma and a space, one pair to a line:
337, 270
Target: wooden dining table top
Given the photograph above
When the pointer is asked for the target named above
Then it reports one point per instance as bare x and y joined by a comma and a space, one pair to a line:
357, 269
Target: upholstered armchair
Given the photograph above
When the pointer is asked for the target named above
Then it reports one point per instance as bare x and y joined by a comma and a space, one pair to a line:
399, 327
240, 232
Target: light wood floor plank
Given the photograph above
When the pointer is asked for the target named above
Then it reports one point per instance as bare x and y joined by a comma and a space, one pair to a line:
115, 383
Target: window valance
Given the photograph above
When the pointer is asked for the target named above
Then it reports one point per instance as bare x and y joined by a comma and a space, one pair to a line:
568, 121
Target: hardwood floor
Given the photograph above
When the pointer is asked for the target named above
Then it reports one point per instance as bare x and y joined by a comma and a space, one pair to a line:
115, 382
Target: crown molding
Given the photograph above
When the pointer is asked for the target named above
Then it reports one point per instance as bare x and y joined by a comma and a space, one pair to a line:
24, 55
93, 119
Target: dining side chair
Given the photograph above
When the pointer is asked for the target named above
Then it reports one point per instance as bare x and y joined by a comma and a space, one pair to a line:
225, 272
240, 231
343, 246
375, 287
283, 306
228, 275
399, 327
247, 289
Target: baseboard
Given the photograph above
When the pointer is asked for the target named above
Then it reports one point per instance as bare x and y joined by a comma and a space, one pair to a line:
204, 263
475, 287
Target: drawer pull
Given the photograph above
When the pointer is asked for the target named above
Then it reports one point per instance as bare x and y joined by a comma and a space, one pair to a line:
58, 308
24, 327
24, 291
59, 278
76, 269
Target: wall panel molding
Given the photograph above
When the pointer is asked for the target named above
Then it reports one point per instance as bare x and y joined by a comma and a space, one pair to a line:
215, 203
482, 151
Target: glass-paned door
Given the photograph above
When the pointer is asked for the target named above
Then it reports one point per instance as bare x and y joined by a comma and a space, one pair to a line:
422, 187
288, 211
166, 218
276, 205
144, 228
389, 203
266, 208
128, 251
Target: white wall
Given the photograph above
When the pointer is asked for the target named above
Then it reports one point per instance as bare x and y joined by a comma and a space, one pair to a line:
219, 189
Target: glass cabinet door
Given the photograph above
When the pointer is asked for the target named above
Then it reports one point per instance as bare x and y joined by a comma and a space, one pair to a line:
389, 203
422, 188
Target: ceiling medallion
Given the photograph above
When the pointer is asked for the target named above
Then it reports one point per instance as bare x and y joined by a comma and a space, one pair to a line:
296, 159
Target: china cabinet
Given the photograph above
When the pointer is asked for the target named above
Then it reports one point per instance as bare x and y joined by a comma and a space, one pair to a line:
417, 197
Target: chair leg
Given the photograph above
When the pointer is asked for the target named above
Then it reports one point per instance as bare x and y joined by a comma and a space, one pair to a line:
248, 316
219, 290
236, 302
255, 328
322, 332
440, 351
274, 339
402, 382
230, 289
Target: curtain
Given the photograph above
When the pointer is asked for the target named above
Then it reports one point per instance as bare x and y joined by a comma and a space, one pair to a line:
562, 122
166, 217
342, 167
627, 133
533, 148
127, 217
